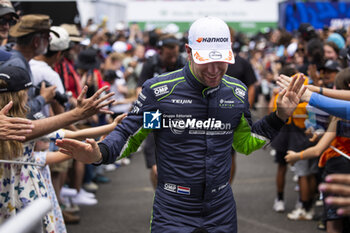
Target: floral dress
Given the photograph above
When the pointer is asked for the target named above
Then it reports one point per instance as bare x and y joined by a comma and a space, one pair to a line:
40, 158
20, 185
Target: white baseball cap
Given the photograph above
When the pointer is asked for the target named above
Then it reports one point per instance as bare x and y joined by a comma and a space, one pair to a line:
59, 43
210, 41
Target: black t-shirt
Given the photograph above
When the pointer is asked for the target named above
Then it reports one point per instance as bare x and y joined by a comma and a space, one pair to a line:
154, 67
242, 70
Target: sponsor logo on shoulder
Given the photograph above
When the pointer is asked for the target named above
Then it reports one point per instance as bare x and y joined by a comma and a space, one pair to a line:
181, 101
161, 90
170, 187
240, 92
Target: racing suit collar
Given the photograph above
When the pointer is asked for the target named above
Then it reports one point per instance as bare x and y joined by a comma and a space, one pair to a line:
195, 83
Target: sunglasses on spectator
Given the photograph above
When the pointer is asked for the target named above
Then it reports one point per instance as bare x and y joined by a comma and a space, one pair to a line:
4, 21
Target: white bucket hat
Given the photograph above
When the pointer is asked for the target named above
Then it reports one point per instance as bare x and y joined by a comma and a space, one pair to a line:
210, 41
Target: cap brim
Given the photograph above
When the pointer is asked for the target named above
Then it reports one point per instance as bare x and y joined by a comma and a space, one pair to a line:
16, 32
8, 10
87, 66
76, 38
56, 34
208, 56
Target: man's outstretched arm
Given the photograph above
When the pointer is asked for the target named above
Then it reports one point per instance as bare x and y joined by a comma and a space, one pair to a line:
249, 137
123, 140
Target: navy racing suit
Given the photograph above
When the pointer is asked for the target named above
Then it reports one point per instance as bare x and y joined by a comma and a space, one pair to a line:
194, 127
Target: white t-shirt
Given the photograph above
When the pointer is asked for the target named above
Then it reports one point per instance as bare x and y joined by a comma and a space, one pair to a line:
42, 71
120, 108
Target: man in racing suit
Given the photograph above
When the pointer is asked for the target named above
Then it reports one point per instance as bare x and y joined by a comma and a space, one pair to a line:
197, 114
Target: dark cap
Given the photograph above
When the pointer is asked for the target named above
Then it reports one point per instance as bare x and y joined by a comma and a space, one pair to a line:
15, 77
306, 31
88, 59
31, 23
331, 65
170, 41
7, 8
110, 75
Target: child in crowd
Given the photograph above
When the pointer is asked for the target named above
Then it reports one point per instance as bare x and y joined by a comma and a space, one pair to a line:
45, 157
292, 137
336, 136
21, 181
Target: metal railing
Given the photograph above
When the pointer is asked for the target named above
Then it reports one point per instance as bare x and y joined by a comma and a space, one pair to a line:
29, 219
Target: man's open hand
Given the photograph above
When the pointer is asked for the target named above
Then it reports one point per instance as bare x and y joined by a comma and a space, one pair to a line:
289, 98
86, 152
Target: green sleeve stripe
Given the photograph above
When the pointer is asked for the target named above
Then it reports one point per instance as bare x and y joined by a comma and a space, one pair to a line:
171, 90
133, 142
244, 141
167, 81
233, 91
236, 84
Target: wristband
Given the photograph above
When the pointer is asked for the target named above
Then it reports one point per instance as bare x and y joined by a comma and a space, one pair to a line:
301, 155
321, 90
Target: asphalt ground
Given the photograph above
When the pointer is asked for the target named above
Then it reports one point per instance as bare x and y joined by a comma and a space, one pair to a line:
125, 204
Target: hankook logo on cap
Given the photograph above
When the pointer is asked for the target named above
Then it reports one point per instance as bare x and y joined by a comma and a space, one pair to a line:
215, 55
212, 39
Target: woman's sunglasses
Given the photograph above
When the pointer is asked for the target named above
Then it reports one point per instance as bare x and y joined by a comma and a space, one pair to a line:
4, 21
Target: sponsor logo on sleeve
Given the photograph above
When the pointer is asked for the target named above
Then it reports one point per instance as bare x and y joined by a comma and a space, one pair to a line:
142, 96
135, 110
138, 103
